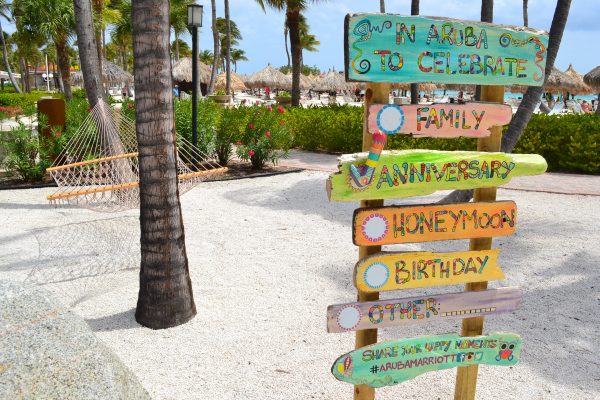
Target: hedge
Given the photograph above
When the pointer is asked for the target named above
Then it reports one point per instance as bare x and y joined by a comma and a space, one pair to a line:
570, 143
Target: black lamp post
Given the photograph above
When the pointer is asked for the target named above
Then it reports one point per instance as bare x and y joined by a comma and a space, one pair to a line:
194, 14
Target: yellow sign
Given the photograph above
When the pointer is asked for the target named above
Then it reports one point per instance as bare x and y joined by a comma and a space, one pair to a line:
407, 270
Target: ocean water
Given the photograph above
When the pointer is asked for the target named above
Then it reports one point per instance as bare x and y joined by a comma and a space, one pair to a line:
509, 95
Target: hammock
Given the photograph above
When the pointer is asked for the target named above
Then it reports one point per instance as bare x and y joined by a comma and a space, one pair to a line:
98, 167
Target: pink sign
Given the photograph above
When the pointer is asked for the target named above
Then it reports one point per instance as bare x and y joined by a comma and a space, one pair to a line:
448, 120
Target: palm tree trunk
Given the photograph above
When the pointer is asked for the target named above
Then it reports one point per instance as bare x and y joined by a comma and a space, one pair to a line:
285, 41
88, 54
414, 87
382, 6
98, 6
165, 298
293, 18
531, 97
176, 47
24, 75
7, 64
64, 65
525, 13
228, 50
216, 49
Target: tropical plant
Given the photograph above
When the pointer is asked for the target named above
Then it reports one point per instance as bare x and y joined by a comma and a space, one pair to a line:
181, 48
55, 20
165, 298
4, 12
293, 11
235, 37
265, 138
178, 21
206, 57
236, 56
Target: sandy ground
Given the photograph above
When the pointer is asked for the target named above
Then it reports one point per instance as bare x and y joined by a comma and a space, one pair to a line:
267, 257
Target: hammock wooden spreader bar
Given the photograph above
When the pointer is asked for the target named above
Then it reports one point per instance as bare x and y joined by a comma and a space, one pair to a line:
128, 185
94, 161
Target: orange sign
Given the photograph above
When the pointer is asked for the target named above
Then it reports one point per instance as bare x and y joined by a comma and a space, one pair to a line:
426, 223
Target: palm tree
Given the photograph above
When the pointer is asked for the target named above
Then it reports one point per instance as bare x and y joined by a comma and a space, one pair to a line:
235, 36
215, 59
178, 20
414, 87
286, 31
206, 57
531, 97
227, 49
122, 32
165, 298
181, 47
54, 19
4, 12
293, 11
525, 12
237, 55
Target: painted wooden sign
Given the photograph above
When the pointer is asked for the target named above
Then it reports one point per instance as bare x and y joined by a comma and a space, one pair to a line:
395, 361
427, 223
407, 270
415, 310
409, 173
445, 120
398, 48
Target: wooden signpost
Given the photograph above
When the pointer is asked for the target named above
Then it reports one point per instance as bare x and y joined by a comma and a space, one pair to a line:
415, 310
428, 223
399, 48
421, 172
393, 48
407, 270
395, 361
438, 120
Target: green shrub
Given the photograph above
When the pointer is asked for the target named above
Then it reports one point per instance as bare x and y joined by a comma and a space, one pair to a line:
24, 100
208, 112
232, 123
28, 154
265, 138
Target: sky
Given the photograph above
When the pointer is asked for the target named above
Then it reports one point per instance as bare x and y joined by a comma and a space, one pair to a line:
263, 31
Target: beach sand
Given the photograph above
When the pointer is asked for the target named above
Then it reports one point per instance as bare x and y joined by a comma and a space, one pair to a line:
268, 255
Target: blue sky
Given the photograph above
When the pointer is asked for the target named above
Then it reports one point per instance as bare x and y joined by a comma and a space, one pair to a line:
263, 32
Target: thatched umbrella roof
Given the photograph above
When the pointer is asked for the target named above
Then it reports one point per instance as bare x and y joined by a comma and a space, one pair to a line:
559, 81
111, 73
182, 71
269, 76
578, 78
236, 82
332, 82
592, 78
305, 81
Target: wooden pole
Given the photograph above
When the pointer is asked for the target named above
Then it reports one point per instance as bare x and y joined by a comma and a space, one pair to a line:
375, 93
466, 377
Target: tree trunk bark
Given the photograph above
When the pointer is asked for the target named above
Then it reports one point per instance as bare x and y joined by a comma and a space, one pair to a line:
293, 18
88, 54
285, 40
165, 298
7, 64
525, 13
64, 65
176, 47
98, 6
216, 49
414, 87
24, 75
228, 50
531, 97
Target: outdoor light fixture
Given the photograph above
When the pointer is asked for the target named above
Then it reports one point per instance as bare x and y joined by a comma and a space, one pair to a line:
194, 13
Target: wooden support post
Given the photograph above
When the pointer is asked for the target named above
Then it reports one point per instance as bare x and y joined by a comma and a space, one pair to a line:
375, 93
466, 377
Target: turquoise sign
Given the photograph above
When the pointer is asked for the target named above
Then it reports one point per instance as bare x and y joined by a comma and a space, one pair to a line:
398, 48
396, 361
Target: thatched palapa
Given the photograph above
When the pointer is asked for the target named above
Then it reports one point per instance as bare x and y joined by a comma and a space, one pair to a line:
592, 78
236, 82
332, 82
182, 71
269, 76
111, 73
582, 87
559, 81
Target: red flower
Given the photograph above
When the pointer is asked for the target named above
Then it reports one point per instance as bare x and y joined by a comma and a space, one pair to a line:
57, 134
130, 105
251, 125
268, 134
239, 143
257, 102
280, 109
269, 108
251, 153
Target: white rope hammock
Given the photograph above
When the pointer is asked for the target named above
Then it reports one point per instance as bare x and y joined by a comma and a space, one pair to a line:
98, 168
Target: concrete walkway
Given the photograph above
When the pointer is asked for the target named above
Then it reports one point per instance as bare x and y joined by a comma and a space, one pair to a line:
550, 182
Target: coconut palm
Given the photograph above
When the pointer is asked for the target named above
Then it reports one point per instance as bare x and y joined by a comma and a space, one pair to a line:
121, 33
237, 55
5, 12
55, 20
206, 57
178, 21
165, 298
235, 36
293, 11
227, 48
525, 12
216, 43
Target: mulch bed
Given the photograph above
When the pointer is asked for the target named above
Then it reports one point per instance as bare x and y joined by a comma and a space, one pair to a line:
236, 170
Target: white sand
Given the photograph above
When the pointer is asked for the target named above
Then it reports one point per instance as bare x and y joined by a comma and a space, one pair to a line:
268, 256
